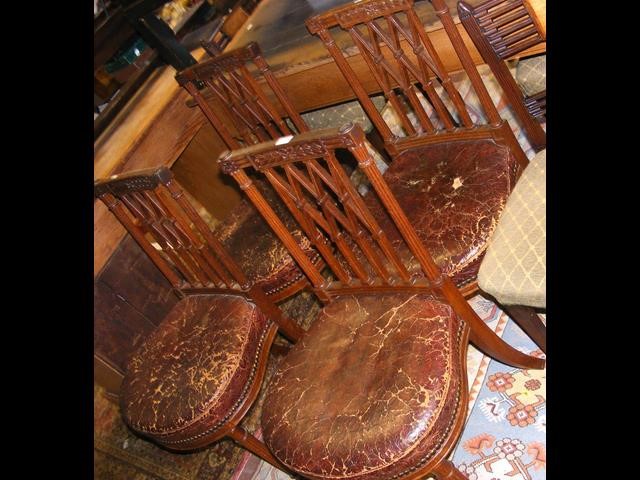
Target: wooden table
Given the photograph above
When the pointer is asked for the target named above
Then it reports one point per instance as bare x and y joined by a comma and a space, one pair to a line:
156, 126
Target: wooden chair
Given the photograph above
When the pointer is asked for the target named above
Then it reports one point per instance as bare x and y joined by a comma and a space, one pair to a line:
452, 172
377, 386
501, 29
248, 113
513, 271
194, 378
229, 26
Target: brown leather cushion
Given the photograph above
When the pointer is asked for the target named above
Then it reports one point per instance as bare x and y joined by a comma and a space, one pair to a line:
371, 390
194, 369
257, 250
453, 193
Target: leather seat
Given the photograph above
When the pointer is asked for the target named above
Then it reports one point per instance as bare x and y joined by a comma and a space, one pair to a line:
371, 391
259, 252
194, 370
453, 193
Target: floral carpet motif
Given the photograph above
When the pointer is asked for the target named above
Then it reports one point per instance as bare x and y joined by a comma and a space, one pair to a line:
505, 434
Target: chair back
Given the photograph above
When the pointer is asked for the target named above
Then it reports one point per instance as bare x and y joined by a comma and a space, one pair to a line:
253, 110
345, 226
401, 58
508, 25
153, 208
308, 177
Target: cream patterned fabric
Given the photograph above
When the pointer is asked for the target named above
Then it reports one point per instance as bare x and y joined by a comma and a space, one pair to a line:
341, 114
531, 74
514, 267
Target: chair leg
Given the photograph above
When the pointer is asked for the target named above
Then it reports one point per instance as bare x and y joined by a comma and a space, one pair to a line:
530, 322
255, 446
445, 470
486, 339
279, 349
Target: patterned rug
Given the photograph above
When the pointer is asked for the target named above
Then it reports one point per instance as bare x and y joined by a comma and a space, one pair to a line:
504, 436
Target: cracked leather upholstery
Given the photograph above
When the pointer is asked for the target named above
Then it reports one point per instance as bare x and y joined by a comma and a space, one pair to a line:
371, 391
257, 250
194, 369
453, 194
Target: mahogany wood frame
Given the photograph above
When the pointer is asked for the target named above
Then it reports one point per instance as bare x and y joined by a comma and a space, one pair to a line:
246, 106
152, 207
500, 29
400, 71
226, 77
416, 68
309, 179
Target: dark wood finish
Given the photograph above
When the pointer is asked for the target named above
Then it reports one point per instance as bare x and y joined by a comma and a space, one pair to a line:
446, 470
108, 377
404, 68
528, 319
155, 212
130, 298
243, 101
255, 446
360, 258
119, 328
501, 29
156, 125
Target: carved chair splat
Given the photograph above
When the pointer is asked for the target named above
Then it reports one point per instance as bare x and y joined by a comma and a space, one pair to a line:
246, 108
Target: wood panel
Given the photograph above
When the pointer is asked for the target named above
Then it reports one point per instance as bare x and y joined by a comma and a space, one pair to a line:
197, 171
134, 277
107, 376
131, 297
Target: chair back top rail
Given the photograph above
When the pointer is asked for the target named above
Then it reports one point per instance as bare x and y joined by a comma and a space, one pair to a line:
403, 61
308, 177
153, 208
240, 97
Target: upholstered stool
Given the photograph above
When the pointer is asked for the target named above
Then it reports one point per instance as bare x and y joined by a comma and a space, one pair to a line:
195, 370
373, 390
514, 267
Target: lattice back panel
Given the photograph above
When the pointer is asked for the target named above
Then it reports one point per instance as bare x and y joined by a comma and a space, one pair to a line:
312, 183
244, 100
152, 206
